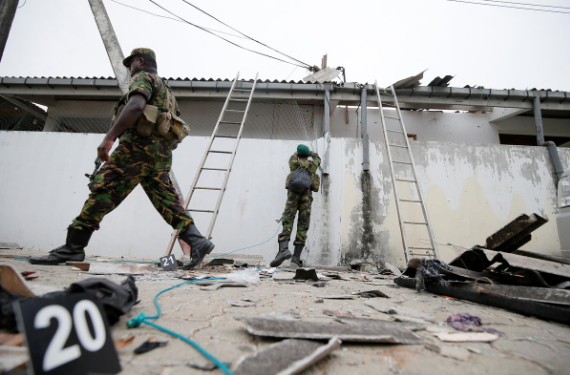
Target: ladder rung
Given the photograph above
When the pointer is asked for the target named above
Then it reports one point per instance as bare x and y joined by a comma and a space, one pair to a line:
214, 169
401, 162
220, 152
233, 110
409, 201
226, 136
242, 90
206, 188
392, 117
193, 210
394, 131
239, 100
421, 254
415, 222
420, 248
403, 179
230, 122
395, 145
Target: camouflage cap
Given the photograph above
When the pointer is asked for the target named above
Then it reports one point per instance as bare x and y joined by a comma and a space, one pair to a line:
138, 51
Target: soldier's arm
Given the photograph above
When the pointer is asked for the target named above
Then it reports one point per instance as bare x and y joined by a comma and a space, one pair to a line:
316, 158
128, 117
140, 91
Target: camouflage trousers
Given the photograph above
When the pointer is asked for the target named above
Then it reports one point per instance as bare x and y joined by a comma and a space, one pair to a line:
131, 164
297, 202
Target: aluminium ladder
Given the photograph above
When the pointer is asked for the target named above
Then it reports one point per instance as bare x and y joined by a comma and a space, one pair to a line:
209, 151
410, 251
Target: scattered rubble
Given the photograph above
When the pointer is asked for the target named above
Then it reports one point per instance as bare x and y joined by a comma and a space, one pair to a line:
286, 357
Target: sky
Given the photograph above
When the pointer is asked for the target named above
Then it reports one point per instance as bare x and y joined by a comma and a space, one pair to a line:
384, 40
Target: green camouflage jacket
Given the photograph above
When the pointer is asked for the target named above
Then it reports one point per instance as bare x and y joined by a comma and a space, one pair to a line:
311, 166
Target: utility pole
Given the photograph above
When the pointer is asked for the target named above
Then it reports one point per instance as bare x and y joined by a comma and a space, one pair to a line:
7, 13
111, 43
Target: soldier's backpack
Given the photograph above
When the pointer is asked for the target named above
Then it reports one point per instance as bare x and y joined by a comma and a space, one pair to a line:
300, 181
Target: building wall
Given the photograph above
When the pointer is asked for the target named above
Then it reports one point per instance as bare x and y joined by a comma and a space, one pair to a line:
471, 191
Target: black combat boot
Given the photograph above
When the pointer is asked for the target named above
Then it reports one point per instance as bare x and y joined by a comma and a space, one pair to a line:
282, 255
297, 256
199, 246
73, 250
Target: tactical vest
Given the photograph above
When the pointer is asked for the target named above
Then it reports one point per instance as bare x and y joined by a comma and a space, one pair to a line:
166, 124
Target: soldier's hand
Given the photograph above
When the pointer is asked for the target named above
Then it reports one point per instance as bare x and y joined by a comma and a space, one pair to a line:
104, 148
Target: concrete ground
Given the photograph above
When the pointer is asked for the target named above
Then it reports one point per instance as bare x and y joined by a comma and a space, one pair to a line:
530, 346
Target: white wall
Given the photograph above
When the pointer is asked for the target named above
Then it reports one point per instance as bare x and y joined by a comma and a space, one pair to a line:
445, 126
471, 190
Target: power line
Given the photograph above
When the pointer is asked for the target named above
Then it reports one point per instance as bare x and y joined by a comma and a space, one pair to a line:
174, 19
255, 40
528, 4
221, 37
508, 6
21, 6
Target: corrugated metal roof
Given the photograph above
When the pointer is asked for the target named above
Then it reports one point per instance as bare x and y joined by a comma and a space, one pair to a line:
42, 79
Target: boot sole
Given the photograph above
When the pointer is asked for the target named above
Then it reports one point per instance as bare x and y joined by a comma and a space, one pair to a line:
277, 263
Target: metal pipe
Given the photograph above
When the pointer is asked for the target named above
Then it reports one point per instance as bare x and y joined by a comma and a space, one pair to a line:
364, 131
556, 162
327, 129
538, 121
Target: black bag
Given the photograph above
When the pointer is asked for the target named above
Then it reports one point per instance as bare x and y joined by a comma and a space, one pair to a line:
300, 181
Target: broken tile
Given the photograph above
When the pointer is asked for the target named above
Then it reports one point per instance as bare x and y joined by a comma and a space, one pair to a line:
287, 357
101, 268
355, 330
466, 336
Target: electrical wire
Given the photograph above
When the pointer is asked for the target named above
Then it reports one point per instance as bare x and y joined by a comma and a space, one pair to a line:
21, 6
174, 19
237, 31
528, 4
221, 37
508, 7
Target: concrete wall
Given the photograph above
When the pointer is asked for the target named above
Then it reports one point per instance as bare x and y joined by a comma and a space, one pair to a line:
471, 190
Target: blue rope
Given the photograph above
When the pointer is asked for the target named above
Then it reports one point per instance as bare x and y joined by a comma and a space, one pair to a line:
248, 247
142, 318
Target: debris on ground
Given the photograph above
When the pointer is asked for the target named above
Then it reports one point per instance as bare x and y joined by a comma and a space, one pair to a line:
286, 357
306, 274
466, 337
372, 294
122, 342
149, 345
246, 276
500, 274
103, 268
319, 284
116, 300
468, 323
353, 330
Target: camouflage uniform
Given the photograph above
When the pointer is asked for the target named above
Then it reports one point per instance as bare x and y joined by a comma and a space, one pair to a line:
137, 160
300, 201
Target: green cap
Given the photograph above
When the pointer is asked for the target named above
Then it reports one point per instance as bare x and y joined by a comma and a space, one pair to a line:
136, 52
303, 150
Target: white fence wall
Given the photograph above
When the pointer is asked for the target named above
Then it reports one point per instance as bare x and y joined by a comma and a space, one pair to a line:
471, 190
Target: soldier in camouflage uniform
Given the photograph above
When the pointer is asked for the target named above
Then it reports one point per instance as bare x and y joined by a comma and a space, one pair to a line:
148, 127
298, 201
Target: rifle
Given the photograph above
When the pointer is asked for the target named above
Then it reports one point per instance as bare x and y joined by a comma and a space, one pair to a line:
97, 166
